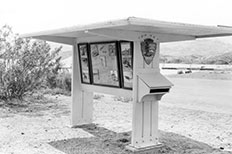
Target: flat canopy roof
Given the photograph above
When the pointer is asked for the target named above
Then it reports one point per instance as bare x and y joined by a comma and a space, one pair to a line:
132, 24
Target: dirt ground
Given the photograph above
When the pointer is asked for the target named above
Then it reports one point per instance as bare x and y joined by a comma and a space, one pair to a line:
185, 127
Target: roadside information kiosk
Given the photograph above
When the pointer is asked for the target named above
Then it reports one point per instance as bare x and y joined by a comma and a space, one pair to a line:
122, 58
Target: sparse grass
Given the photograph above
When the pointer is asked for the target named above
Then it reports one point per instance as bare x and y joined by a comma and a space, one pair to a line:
31, 105
55, 91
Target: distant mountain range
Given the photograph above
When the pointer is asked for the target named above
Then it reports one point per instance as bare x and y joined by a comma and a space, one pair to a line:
205, 51
203, 47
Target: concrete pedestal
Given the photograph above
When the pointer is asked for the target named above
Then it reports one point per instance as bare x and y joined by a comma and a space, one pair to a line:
145, 150
145, 124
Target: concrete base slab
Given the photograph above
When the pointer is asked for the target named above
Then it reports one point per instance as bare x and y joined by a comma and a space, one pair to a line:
154, 149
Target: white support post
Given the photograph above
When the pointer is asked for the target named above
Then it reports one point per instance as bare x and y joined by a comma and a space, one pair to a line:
145, 111
82, 101
145, 128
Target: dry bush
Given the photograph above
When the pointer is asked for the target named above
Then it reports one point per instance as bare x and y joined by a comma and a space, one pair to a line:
24, 64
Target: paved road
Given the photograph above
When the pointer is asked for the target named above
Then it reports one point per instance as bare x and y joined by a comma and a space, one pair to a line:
200, 94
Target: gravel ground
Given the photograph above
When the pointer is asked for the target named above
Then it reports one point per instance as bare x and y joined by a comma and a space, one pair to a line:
42, 128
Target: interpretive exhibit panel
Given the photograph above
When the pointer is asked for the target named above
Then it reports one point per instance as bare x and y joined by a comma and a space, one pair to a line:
107, 63
127, 63
104, 63
84, 63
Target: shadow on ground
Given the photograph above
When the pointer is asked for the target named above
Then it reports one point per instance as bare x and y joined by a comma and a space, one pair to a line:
105, 141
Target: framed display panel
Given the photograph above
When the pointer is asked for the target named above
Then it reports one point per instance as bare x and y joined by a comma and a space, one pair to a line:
84, 63
126, 49
104, 64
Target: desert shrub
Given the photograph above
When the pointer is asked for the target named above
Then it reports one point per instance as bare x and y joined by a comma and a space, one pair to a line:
63, 81
188, 71
51, 78
12, 83
59, 83
180, 72
24, 64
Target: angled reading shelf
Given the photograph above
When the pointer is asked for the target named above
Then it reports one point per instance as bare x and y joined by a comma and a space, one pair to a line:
155, 80
153, 84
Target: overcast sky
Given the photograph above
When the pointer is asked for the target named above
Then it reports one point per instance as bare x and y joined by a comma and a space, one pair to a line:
36, 15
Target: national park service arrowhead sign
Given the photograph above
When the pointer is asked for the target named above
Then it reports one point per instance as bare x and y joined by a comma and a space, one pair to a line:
148, 47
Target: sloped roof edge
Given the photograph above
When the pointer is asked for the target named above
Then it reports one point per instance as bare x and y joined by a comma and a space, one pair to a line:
214, 31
